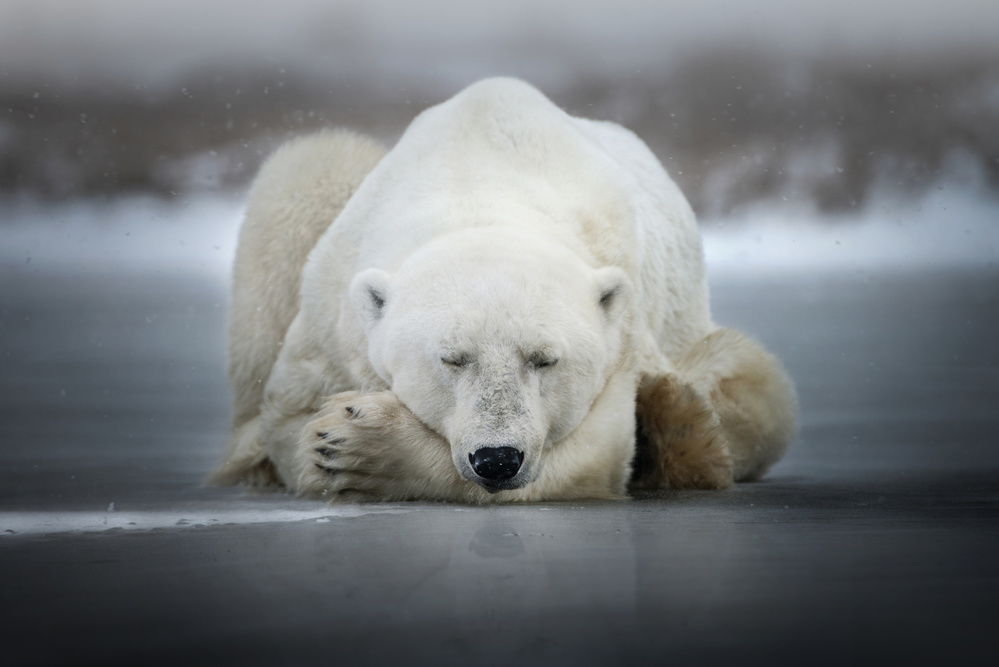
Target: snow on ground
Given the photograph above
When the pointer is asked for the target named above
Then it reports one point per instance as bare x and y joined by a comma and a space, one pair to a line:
950, 227
194, 234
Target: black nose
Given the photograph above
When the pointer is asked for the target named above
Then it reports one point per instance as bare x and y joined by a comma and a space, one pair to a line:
496, 463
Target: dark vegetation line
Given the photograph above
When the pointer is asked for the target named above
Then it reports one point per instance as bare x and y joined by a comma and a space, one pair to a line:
733, 128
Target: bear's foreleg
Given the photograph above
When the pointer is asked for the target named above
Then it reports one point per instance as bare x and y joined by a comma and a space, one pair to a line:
370, 447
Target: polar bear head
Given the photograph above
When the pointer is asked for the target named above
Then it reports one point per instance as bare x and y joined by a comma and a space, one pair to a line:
498, 341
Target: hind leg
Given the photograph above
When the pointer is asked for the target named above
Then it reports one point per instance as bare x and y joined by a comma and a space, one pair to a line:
680, 443
298, 193
727, 414
246, 462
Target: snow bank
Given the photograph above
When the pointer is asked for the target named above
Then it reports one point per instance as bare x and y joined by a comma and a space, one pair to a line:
949, 227
187, 235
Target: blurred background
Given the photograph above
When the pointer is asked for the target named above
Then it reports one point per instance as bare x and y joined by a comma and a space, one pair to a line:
830, 109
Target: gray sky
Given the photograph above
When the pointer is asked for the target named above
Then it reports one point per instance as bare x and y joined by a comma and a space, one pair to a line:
125, 39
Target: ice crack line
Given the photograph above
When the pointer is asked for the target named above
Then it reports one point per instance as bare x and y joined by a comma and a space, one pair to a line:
47, 523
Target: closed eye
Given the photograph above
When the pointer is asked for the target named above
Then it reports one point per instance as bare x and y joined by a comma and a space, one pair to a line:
542, 362
455, 362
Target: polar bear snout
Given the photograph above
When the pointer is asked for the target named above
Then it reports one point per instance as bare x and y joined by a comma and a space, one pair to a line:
496, 464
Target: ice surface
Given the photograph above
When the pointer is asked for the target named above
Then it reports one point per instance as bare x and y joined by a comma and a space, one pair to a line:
872, 542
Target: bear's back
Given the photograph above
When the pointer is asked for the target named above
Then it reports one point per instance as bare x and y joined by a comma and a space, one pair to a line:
497, 154
500, 154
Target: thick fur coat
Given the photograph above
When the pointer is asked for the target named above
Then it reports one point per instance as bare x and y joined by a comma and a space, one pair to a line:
502, 307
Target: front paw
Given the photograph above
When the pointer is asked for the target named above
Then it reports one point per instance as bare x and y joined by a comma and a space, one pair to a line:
345, 452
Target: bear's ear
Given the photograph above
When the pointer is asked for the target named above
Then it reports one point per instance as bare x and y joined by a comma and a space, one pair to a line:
369, 291
613, 291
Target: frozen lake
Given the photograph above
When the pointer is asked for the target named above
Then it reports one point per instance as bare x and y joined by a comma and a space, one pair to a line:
874, 542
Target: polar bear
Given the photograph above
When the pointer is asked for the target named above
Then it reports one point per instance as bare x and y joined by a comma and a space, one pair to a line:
509, 305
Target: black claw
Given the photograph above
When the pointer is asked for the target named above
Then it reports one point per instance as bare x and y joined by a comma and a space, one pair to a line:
322, 435
325, 451
352, 411
331, 471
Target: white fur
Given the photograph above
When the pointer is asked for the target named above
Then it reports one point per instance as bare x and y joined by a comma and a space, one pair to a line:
509, 273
